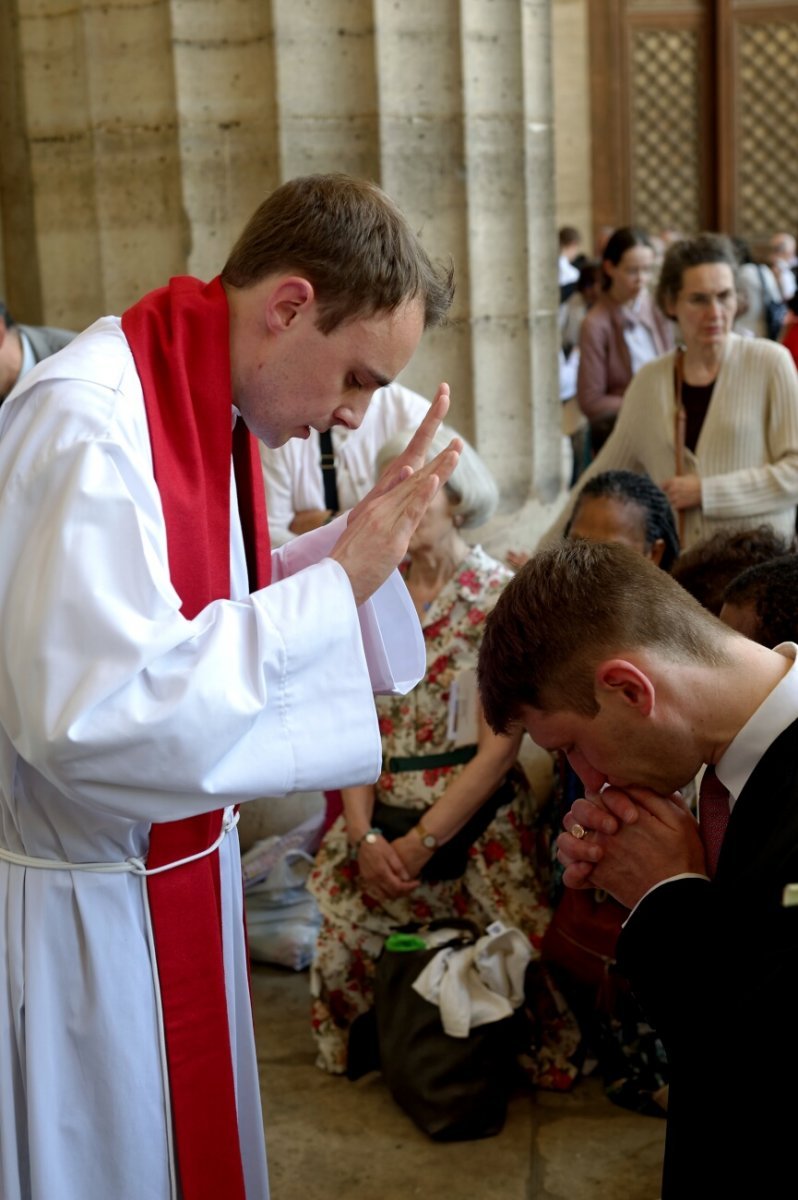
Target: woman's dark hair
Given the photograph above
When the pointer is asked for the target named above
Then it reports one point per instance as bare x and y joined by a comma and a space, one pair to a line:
692, 252
772, 589
589, 275
631, 488
709, 566
623, 239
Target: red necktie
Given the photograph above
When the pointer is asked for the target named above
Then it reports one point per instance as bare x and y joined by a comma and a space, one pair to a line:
713, 817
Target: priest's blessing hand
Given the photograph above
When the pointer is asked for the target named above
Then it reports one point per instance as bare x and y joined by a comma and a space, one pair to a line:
380, 526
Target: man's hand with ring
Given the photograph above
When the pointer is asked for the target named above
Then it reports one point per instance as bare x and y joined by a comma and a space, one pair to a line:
600, 815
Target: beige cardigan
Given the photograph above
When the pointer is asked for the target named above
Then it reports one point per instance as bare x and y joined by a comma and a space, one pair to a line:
747, 452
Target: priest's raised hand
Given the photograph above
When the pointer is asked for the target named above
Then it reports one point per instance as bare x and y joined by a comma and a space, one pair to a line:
380, 526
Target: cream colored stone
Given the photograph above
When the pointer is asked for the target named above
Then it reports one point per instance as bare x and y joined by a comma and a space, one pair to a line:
227, 120
155, 127
572, 136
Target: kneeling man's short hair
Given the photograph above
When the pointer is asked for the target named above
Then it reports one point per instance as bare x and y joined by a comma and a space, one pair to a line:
572, 606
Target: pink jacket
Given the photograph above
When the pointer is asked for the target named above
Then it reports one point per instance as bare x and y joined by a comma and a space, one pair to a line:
605, 367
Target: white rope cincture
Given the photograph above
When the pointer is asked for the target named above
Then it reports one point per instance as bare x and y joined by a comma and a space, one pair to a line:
137, 866
131, 866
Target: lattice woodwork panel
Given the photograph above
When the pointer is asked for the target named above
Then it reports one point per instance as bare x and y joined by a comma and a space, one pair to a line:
767, 122
664, 129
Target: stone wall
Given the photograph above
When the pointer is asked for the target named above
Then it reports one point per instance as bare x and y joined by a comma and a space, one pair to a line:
139, 135
572, 116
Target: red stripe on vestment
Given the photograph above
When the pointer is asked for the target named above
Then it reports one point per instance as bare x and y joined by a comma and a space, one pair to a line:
180, 341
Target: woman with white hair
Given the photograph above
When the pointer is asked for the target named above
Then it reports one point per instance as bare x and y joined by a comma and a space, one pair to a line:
448, 828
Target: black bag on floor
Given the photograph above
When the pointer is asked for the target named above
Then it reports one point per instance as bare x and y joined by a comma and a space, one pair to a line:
455, 1089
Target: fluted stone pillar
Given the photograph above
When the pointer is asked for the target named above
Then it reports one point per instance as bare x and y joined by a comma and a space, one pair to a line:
142, 133
422, 165
227, 124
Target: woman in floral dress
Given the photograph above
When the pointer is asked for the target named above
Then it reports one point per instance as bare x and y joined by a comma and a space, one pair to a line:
365, 885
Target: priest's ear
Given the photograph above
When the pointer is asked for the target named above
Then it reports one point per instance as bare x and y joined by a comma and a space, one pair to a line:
289, 298
619, 679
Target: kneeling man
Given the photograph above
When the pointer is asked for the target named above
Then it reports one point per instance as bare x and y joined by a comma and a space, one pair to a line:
598, 653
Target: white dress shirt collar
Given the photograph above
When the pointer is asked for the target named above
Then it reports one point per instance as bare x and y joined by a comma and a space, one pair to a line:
776, 712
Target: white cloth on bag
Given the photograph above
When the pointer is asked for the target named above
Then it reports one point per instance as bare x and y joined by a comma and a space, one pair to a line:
477, 984
115, 712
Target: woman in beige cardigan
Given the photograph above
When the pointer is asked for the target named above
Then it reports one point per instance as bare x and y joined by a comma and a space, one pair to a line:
740, 396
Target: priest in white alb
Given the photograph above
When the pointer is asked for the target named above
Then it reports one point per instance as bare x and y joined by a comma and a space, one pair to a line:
150, 681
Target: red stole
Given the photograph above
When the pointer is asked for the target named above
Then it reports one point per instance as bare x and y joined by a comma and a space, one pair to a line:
179, 336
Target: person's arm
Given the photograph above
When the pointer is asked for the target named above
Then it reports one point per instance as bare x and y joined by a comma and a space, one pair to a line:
757, 490
466, 793
279, 477
592, 385
389, 625
108, 691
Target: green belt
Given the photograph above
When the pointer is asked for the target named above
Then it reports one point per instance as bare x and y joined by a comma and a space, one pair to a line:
426, 762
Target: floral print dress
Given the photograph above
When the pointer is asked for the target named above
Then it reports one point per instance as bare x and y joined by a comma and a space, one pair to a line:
502, 879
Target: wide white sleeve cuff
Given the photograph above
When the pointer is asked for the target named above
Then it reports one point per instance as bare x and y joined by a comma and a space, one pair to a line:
391, 631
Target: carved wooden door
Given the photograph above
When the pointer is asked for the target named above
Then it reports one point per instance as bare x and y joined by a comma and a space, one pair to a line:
695, 115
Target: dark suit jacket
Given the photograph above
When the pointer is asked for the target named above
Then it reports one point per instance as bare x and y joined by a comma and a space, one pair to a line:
45, 340
715, 966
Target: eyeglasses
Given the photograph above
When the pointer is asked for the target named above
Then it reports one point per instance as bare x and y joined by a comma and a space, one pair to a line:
701, 300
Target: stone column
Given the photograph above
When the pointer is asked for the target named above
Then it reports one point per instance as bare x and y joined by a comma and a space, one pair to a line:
226, 97
142, 133
326, 87
419, 68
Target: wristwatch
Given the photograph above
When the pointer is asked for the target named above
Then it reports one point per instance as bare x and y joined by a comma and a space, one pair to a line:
370, 838
428, 839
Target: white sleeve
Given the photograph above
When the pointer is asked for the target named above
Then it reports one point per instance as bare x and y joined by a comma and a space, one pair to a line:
119, 701
392, 637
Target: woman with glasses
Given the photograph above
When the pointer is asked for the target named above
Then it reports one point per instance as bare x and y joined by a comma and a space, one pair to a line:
715, 422
622, 331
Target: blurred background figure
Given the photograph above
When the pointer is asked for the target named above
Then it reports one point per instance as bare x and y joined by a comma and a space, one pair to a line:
621, 332
570, 243
783, 263
620, 506
23, 346
762, 602
708, 567
732, 458
309, 481
571, 315
761, 309
447, 782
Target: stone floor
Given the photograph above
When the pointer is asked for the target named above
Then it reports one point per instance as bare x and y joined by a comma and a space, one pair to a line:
329, 1139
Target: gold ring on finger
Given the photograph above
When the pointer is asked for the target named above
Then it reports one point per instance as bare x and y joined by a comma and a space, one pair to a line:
578, 831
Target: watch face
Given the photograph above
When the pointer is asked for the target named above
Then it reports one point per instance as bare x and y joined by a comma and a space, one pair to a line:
371, 838
430, 841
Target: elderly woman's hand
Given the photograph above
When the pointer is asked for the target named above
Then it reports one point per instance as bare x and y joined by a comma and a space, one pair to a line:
412, 852
383, 873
